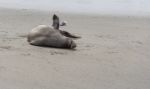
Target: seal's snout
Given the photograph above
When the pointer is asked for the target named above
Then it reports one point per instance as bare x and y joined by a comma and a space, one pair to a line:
73, 45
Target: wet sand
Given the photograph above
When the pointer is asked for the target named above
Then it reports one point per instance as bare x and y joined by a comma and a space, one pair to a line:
113, 53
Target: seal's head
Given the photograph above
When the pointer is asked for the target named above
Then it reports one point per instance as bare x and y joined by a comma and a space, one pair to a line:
70, 44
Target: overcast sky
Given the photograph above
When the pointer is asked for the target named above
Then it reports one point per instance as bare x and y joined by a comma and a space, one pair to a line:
85, 6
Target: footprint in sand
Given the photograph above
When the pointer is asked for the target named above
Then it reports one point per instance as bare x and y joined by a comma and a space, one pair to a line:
138, 42
3, 32
105, 36
112, 52
22, 36
57, 53
2, 68
26, 54
5, 47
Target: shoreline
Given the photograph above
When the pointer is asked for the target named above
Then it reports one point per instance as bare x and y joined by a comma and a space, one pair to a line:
77, 13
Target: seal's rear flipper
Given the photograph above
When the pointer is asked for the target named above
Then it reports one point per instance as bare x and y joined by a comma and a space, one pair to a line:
67, 34
55, 22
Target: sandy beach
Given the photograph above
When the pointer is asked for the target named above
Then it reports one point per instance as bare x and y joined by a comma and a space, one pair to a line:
113, 53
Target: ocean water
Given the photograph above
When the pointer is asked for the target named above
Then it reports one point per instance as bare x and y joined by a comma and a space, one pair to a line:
113, 7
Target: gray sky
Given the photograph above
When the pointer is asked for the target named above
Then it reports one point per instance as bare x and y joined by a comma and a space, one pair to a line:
136, 7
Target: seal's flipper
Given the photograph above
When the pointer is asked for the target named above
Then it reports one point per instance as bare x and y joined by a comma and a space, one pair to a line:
67, 34
64, 23
55, 22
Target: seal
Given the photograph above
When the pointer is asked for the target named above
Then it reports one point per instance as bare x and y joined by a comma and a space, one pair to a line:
51, 36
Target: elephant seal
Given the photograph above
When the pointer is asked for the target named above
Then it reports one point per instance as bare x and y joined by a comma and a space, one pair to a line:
51, 36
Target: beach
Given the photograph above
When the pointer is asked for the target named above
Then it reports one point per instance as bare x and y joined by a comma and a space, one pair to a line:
113, 53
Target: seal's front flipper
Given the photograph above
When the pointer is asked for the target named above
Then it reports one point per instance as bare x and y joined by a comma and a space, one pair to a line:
55, 22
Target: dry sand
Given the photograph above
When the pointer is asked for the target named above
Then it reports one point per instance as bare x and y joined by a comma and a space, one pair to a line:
114, 53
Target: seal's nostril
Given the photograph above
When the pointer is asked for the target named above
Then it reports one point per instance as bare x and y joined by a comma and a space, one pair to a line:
73, 44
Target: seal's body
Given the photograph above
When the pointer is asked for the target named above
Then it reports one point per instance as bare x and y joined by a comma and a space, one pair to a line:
52, 36
43, 35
